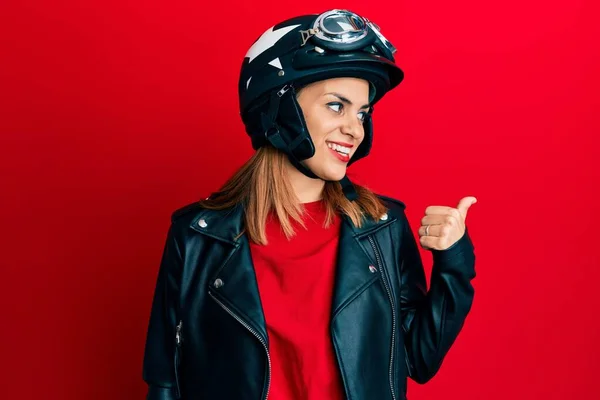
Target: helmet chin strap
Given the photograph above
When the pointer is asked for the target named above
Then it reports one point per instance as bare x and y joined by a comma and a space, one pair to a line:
347, 186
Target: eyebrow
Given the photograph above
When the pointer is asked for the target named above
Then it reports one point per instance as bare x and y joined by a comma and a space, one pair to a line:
345, 100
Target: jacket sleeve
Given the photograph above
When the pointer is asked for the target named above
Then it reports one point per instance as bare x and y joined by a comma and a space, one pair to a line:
159, 355
431, 320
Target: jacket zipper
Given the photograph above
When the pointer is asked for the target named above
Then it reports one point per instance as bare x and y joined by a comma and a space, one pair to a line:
389, 293
408, 368
253, 333
178, 341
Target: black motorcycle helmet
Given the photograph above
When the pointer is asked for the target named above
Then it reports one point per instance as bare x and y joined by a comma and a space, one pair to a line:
302, 50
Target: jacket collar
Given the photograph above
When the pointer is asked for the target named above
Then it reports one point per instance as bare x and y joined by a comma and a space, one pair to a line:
226, 225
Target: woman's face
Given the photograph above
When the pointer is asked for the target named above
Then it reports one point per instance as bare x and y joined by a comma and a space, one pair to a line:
334, 110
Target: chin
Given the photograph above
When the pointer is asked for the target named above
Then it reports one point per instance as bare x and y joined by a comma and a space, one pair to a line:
333, 175
326, 170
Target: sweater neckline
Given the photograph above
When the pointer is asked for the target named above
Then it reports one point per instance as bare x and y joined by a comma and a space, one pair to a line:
314, 206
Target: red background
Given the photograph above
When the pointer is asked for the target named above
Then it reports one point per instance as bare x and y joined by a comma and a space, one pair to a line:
114, 113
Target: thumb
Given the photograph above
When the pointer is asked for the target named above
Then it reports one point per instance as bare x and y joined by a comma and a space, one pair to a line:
464, 204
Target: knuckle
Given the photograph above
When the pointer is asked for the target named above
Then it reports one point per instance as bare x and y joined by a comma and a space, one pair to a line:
443, 242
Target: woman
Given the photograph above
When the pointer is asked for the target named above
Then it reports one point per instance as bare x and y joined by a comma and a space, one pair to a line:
291, 282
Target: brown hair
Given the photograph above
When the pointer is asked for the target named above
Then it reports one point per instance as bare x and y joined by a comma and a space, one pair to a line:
262, 185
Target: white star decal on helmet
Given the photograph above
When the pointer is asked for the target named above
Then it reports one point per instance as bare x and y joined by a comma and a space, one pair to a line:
276, 63
268, 40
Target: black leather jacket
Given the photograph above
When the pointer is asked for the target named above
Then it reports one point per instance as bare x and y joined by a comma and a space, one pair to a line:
207, 338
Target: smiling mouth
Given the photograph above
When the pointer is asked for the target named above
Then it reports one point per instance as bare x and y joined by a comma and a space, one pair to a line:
342, 153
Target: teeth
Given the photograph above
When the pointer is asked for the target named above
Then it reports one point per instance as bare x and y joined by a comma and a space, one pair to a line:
338, 148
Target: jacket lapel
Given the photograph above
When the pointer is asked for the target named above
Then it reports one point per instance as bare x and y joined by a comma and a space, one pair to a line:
239, 290
233, 282
355, 259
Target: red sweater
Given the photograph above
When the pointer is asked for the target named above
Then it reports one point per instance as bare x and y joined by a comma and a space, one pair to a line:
295, 280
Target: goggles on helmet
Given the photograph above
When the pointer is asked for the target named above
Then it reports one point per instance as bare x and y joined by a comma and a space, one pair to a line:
343, 30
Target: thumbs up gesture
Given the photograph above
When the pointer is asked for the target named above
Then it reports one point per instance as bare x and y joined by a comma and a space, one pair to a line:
443, 226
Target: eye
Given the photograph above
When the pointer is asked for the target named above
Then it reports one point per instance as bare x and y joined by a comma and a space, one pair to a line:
333, 105
338, 107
